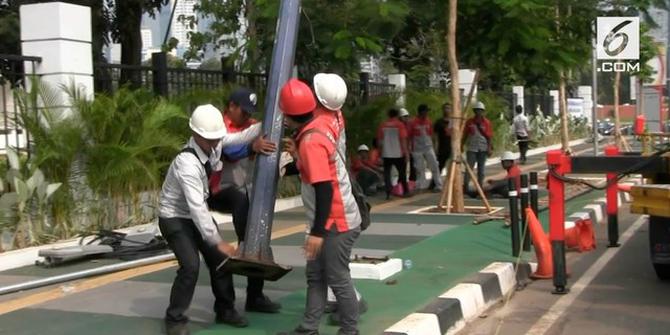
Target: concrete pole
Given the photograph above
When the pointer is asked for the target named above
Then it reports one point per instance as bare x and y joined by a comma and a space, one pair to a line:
60, 33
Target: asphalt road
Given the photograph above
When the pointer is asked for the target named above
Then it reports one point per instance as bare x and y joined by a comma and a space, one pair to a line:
614, 291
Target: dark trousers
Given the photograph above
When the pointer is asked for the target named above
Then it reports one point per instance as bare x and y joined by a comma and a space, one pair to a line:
478, 157
401, 165
186, 242
523, 147
331, 269
235, 200
412, 169
442, 158
499, 188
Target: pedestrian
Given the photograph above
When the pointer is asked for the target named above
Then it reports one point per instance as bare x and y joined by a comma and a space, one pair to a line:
478, 133
331, 93
234, 187
392, 141
331, 208
405, 118
500, 187
421, 133
442, 130
189, 228
522, 133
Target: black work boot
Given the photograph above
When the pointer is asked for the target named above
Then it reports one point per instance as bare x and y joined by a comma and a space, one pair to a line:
176, 329
334, 318
262, 304
232, 318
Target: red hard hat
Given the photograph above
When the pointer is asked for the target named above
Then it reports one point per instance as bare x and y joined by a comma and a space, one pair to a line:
296, 98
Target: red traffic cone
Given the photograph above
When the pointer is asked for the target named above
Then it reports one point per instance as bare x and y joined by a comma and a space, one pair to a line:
587, 237
545, 265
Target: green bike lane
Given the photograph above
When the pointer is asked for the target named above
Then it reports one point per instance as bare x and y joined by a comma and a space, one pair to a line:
443, 250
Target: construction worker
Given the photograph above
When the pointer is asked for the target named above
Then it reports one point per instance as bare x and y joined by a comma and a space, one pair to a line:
187, 225
442, 130
421, 134
392, 141
500, 187
522, 133
479, 134
405, 118
231, 192
331, 209
331, 93
367, 172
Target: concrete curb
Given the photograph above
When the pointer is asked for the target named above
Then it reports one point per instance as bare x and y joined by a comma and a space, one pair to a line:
449, 312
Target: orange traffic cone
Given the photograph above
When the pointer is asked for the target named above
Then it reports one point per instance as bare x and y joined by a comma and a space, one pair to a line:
571, 235
587, 237
545, 265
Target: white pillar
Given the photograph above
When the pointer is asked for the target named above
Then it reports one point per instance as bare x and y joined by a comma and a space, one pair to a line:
400, 82
60, 33
554, 94
585, 92
466, 78
518, 90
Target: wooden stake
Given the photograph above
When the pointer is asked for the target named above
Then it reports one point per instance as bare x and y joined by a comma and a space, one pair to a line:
480, 191
450, 197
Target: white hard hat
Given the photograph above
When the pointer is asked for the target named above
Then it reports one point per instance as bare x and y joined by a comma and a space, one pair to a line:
331, 90
403, 112
363, 147
207, 122
479, 105
508, 156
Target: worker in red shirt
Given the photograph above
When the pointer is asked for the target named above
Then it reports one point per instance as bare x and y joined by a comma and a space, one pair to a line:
231, 187
331, 209
421, 135
500, 187
331, 93
478, 135
392, 141
366, 172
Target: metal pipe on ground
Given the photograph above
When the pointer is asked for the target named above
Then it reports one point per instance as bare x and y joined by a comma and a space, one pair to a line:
514, 216
37, 283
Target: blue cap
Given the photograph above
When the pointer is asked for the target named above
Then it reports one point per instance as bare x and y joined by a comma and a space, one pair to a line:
245, 98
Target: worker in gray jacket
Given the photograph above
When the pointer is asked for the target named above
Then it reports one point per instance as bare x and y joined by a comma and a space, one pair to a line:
188, 226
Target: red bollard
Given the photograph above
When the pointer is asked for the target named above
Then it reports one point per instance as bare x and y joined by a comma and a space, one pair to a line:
612, 202
559, 163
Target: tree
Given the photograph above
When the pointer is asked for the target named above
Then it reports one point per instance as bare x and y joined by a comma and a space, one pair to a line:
332, 35
126, 20
457, 114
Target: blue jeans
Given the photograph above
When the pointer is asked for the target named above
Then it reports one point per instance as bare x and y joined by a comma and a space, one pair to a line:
473, 157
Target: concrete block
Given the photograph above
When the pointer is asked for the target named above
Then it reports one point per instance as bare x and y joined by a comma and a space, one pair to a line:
505, 273
378, 271
55, 20
61, 56
416, 324
470, 296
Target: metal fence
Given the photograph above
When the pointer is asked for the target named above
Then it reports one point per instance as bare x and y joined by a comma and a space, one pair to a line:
15, 72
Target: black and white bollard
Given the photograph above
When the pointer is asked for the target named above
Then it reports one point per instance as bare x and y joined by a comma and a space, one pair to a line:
514, 216
524, 205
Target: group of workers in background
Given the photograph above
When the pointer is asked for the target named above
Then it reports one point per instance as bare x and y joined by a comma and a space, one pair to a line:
213, 172
421, 143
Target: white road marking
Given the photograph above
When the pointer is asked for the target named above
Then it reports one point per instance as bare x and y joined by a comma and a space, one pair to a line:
559, 307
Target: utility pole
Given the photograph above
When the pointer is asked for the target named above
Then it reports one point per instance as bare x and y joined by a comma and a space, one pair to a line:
594, 94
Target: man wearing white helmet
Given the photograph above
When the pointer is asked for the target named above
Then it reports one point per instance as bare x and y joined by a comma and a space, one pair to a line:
366, 171
187, 225
405, 118
331, 93
423, 153
478, 133
500, 187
